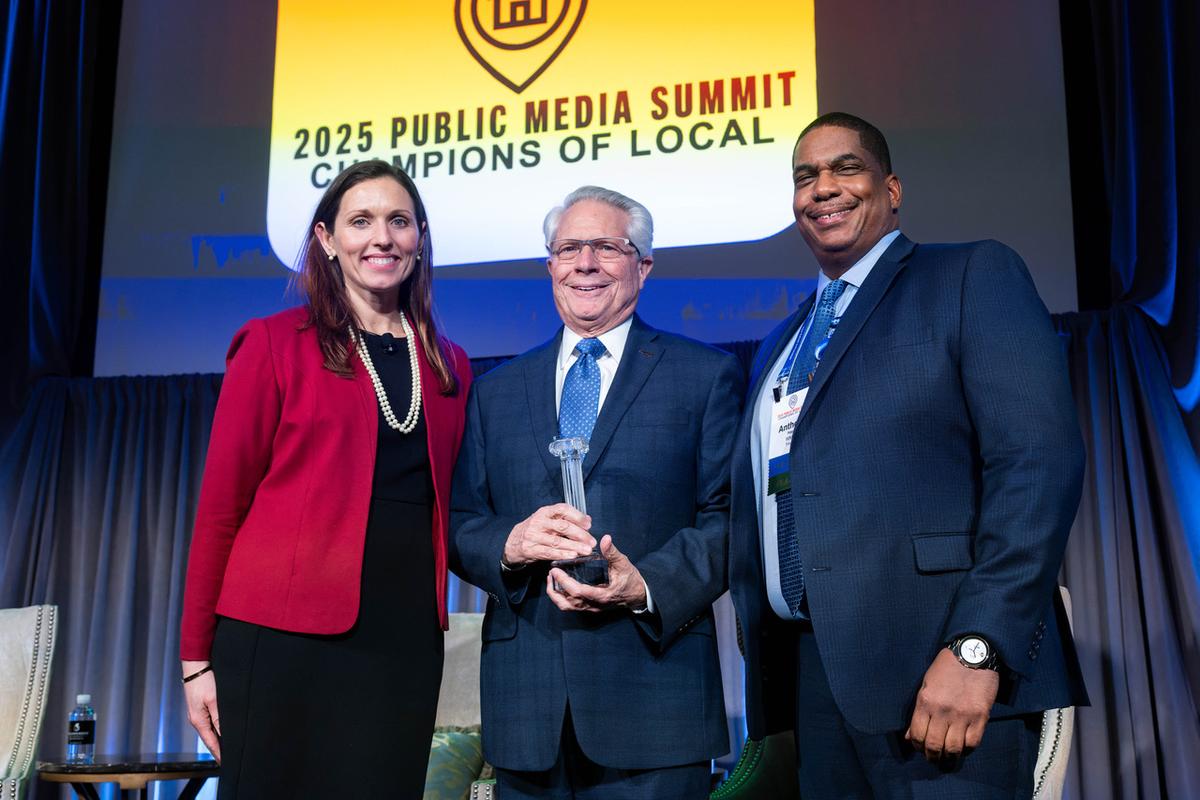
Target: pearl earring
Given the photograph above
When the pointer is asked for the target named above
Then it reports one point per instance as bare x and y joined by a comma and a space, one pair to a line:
332, 256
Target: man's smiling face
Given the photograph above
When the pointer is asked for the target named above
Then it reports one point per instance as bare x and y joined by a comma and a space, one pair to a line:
595, 296
844, 203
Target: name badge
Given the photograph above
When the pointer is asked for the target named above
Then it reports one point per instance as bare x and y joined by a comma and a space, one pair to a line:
784, 414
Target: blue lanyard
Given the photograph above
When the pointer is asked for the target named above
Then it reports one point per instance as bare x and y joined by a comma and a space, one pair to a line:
791, 359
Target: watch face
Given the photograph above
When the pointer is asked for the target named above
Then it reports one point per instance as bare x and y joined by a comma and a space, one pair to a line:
973, 650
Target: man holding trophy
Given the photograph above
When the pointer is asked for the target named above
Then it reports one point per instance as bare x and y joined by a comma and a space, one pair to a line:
591, 502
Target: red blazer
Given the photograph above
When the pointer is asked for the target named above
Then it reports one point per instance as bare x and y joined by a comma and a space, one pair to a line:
282, 518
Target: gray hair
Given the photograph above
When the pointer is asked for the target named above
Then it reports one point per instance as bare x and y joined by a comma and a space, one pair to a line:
640, 230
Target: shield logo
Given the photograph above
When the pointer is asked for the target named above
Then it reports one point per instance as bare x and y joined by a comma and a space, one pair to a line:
516, 40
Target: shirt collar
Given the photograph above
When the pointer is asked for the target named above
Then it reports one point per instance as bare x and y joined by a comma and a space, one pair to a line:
856, 275
613, 340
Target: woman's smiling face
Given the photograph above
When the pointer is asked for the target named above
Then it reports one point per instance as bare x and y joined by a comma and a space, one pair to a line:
375, 237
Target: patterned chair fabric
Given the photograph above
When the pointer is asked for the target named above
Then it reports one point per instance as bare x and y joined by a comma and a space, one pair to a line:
27, 638
458, 702
1054, 749
456, 744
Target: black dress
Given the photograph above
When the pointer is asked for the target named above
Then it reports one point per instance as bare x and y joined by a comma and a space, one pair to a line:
349, 715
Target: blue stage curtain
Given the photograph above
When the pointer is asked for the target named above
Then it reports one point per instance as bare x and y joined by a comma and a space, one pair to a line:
1133, 567
98, 488
1133, 562
1132, 72
57, 81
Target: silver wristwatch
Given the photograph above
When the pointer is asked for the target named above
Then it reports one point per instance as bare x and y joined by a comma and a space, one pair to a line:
974, 652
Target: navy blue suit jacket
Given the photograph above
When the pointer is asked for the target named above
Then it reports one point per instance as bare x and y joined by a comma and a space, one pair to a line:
936, 469
644, 691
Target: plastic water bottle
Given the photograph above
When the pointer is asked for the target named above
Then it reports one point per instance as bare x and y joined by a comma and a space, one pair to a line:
81, 731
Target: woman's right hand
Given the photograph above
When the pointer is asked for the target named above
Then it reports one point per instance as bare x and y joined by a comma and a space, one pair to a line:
201, 694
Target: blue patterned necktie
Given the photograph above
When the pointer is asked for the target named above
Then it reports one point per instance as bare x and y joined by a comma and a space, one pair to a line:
791, 570
806, 361
581, 391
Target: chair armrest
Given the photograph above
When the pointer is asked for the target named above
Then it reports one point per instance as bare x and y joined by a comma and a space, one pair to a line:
765, 768
483, 790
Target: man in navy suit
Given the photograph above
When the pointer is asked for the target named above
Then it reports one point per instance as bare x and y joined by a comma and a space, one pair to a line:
904, 478
600, 691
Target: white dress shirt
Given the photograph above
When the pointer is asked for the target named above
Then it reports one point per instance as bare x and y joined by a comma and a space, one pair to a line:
764, 411
614, 343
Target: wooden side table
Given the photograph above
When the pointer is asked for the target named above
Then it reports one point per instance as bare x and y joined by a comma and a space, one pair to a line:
132, 773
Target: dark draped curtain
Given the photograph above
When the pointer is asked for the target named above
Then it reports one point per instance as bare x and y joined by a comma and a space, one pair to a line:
56, 100
1133, 567
1132, 73
1133, 561
101, 479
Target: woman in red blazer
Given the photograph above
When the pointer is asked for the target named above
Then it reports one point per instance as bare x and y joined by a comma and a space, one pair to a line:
316, 583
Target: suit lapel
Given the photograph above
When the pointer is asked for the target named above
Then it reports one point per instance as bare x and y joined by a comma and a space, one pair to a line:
433, 406
641, 355
539, 388
864, 303
768, 354
771, 351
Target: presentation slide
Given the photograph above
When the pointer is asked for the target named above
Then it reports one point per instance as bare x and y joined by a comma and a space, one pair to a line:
232, 118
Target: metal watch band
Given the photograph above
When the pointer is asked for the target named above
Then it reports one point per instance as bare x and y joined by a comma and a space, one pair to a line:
991, 662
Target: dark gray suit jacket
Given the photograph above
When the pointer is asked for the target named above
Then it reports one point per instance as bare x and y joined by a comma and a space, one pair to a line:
644, 691
936, 470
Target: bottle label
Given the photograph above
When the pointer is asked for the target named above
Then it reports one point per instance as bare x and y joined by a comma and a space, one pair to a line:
81, 731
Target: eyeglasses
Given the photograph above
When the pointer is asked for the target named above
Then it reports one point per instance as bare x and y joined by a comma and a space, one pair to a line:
605, 249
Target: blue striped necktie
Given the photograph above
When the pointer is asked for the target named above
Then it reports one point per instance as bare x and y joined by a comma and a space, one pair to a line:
791, 570
805, 365
581, 391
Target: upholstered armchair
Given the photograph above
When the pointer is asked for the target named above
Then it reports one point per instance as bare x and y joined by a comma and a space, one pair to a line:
1054, 749
456, 767
26, 654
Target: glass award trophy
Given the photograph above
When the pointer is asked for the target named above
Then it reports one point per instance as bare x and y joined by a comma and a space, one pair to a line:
591, 569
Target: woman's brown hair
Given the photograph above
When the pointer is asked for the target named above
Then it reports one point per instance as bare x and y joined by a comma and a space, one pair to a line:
324, 287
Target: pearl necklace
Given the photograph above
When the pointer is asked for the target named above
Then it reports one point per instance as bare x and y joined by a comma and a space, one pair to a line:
414, 410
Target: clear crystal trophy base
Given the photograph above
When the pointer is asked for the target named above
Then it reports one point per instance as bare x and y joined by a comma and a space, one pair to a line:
591, 569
